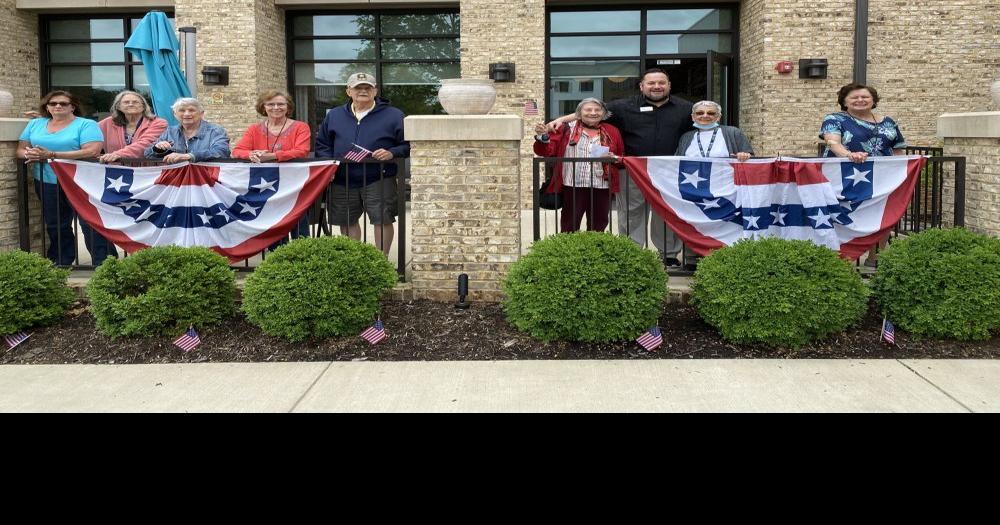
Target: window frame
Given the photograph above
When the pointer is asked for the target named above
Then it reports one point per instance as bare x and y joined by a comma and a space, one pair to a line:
45, 39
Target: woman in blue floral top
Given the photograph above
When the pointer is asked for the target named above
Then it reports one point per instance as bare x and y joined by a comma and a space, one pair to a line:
856, 133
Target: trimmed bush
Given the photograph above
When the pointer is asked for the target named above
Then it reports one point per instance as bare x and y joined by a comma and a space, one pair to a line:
778, 292
162, 290
328, 286
585, 286
941, 283
33, 291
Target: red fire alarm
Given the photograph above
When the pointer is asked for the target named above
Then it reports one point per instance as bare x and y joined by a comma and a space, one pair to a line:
785, 66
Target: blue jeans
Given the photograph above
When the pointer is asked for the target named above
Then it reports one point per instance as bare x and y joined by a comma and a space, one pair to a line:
58, 216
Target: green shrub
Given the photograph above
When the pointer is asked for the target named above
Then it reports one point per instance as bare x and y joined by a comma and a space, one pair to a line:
585, 286
328, 286
777, 292
941, 283
161, 290
33, 291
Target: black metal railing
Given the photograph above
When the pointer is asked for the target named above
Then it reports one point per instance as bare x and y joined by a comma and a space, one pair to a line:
320, 218
926, 208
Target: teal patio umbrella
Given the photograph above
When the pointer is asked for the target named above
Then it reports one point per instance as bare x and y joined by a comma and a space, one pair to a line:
154, 42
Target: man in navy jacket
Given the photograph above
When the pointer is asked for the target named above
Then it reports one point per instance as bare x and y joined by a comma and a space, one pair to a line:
371, 123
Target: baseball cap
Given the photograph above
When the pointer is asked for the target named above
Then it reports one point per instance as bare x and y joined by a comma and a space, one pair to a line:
361, 78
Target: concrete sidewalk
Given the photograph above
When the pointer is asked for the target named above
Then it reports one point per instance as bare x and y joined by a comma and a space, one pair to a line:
510, 386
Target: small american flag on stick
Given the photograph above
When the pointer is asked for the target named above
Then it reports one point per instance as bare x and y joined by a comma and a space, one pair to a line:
357, 154
13, 340
888, 332
188, 341
375, 333
530, 108
651, 339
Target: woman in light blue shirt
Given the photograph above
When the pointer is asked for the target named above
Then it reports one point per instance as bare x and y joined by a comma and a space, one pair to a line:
193, 140
60, 133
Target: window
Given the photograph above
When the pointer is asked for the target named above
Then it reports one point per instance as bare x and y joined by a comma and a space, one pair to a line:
408, 53
86, 56
601, 52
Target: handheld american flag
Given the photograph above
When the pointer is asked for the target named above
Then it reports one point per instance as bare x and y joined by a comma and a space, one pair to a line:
13, 340
530, 108
357, 154
188, 341
375, 333
651, 339
888, 332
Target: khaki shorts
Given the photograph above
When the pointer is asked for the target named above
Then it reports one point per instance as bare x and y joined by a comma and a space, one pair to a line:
377, 199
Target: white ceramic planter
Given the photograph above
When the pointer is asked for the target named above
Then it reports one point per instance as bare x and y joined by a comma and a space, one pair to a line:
6, 103
467, 96
995, 92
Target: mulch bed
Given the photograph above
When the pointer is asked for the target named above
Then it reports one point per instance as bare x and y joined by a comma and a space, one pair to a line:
429, 331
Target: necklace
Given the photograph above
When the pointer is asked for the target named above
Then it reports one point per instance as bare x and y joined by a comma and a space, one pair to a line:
711, 143
277, 137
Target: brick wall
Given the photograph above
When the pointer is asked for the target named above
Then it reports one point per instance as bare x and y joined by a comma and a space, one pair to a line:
781, 112
929, 58
982, 182
19, 67
510, 31
249, 37
465, 204
9, 208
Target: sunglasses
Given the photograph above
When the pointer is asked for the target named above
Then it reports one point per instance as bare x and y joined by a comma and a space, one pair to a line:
67, 104
709, 113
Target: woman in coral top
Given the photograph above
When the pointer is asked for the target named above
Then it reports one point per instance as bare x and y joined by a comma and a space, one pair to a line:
279, 137
131, 127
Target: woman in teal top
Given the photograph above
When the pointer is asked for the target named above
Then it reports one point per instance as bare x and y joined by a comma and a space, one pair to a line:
61, 134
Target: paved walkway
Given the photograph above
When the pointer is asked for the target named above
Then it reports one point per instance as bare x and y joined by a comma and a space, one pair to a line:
510, 386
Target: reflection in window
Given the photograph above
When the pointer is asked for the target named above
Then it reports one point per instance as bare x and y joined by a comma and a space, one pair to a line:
688, 43
93, 71
594, 46
595, 21
574, 81
689, 20
414, 53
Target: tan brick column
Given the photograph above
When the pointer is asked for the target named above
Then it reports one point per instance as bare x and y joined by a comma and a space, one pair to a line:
10, 130
249, 37
509, 31
781, 113
19, 67
465, 202
975, 136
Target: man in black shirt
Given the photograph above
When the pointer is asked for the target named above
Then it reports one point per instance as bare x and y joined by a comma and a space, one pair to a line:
651, 124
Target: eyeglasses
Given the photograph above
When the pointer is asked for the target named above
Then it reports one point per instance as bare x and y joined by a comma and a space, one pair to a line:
275, 105
709, 113
65, 104
363, 87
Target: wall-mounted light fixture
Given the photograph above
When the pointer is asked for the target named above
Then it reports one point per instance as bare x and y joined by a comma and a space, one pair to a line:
215, 75
502, 72
812, 68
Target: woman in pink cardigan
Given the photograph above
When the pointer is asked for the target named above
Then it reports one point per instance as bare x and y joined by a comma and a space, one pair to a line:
278, 138
131, 127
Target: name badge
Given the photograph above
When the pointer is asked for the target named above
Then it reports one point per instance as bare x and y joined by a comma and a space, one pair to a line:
646, 109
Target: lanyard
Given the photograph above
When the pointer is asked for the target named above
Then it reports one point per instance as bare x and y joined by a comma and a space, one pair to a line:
711, 143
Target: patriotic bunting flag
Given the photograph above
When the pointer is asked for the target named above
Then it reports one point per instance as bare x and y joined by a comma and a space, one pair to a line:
237, 209
837, 203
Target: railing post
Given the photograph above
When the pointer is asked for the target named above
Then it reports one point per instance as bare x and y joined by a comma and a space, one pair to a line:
23, 224
960, 191
536, 222
401, 185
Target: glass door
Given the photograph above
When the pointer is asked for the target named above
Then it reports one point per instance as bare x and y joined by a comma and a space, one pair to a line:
719, 83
